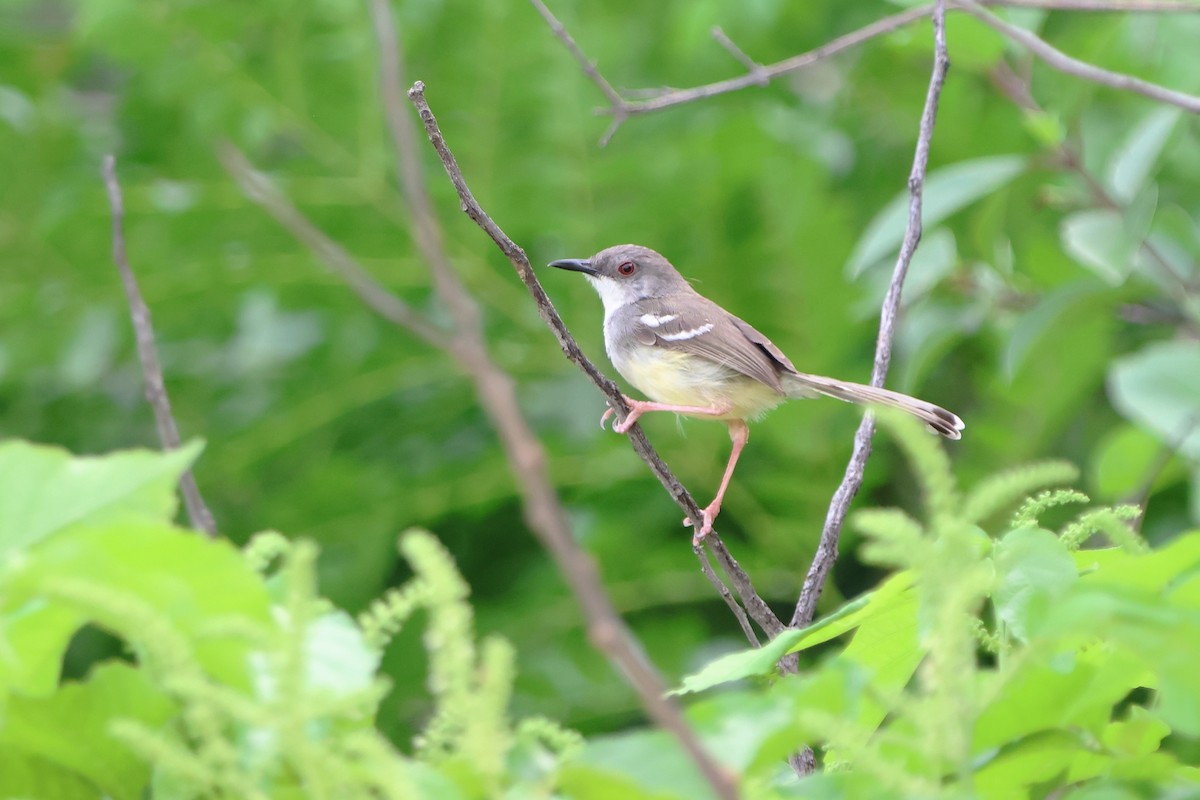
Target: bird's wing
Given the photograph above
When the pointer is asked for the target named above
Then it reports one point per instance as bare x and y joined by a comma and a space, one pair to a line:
708, 331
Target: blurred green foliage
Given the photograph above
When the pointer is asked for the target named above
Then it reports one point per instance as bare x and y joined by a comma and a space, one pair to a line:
1053, 304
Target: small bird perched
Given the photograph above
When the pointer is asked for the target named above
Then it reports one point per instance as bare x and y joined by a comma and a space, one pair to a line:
690, 356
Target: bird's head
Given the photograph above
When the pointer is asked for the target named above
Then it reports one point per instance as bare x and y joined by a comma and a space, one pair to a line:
627, 273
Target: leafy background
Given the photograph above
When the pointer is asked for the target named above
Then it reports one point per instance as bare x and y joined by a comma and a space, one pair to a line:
1054, 307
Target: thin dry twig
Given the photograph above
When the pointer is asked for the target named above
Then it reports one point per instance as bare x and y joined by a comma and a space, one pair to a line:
827, 549
143, 332
622, 108
1056, 59
752, 66
374, 295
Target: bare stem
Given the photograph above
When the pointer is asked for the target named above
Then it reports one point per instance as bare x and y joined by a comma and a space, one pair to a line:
143, 332
1056, 59
622, 108
827, 548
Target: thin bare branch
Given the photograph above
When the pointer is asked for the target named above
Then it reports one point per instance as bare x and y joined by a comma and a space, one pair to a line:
739, 55
738, 612
622, 108
1105, 6
617, 105
423, 222
1058, 60
143, 333
376, 296
827, 548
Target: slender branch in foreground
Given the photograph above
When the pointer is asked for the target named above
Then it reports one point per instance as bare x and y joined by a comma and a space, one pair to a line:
373, 294
622, 108
143, 332
753, 603
827, 549
1058, 60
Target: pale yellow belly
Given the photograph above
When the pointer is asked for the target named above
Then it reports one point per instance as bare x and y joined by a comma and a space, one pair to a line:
676, 378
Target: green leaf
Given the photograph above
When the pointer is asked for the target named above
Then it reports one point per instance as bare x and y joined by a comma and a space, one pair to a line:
1135, 158
887, 649
1040, 759
1043, 320
196, 582
637, 765
71, 728
1097, 239
1034, 568
762, 660
1041, 694
1123, 460
338, 658
1147, 572
33, 639
45, 489
1159, 388
27, 777
947, 190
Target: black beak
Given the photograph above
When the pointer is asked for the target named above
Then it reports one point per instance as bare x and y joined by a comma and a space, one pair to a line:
575, 264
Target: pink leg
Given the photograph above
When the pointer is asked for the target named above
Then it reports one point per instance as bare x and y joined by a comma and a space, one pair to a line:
738, 434
639, 407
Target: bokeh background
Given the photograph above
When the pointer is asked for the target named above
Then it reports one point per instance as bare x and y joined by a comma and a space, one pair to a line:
1053, 304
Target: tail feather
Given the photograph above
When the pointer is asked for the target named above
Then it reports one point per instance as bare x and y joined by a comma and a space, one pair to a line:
938, 419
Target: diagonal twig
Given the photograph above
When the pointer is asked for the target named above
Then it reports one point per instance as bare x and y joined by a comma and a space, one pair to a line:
373, 294
622, 108
827, 548
739, 55
1058, 60
143, 332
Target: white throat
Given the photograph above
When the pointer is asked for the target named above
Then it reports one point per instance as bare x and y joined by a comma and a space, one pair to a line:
611, 295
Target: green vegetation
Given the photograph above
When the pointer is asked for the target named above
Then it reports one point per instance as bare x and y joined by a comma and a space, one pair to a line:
1054, 304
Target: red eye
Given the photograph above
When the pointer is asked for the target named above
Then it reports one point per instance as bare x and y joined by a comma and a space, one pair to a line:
627, 268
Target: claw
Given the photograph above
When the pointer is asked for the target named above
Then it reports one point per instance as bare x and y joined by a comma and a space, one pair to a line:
608, 412
709, 517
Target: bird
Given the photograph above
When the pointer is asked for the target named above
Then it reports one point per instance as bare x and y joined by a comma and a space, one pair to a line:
690, 356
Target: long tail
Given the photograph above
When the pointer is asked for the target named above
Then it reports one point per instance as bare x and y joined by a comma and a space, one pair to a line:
938, 419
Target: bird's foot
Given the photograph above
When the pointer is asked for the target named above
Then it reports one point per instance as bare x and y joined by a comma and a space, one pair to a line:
709, 516
636, 409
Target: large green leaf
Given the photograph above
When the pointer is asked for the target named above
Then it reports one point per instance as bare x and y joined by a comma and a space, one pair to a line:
640, 765
1159, 388
762, 660
71, 728
45, 489
1132, 163
1034, 568
195, 583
